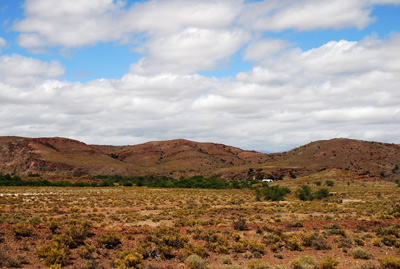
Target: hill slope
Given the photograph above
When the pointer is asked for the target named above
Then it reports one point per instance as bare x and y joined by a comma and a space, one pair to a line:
176, 158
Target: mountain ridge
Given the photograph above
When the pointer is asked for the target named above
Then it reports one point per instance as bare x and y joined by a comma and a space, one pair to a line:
181, 157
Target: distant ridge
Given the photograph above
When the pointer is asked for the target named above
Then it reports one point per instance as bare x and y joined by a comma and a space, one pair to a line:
180, 157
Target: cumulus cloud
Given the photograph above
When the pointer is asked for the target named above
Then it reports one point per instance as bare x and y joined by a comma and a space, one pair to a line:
20, 70
75, 24
189, 51
341, 89
265, 48
306, 14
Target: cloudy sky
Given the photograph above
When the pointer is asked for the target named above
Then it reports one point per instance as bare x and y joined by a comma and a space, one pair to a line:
263, 75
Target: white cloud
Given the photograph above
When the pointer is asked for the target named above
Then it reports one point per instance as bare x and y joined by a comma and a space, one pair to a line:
263, 49
79, 23
190, 50
19, 70
3, 42
306, 15
342, 89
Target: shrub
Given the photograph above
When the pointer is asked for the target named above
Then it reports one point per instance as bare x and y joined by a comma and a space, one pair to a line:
22, 229
257, 264
321, 193
239, 246
86, 251
195, 262
108, 240
303, 262
314, 240
80, 231
359, 253
194, 249
53, 225
53, 254
239, 224
389, 262
304, 193
329, 183
16, 261
328, 263
226, 260
64, 239
257, 249
274, 193
126, 259
318, 183
293, 243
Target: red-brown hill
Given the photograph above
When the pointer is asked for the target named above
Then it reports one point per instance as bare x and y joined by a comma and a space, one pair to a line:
62, 156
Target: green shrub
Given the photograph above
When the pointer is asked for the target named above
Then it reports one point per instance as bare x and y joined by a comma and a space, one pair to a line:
274, 193
329, 183
195, 262
321, 193
389, 262
318, 183
304, 193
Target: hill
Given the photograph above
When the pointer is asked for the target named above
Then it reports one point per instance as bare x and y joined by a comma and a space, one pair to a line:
176, 158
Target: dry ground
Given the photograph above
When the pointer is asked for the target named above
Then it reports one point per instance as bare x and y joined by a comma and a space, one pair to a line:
171, 224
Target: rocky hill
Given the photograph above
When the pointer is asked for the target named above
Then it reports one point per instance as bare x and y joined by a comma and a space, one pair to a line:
176, 158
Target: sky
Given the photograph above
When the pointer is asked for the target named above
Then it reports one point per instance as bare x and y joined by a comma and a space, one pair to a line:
259, 75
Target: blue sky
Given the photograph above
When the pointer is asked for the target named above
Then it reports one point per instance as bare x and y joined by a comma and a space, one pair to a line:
263, 75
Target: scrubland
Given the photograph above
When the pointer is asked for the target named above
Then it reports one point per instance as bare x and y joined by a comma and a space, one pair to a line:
356, 226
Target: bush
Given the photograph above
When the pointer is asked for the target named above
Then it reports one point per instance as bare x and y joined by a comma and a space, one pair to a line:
293, 243
359, 253
86, 251
195, 262
239, 224
303, 262
126, 259
328, 263
16, 261
274, 193
329, 183
108, 240
304, 193
318, 183
321, 193
22, 229
53, 254
258, 264
389, 262
314, 240
226, 260
257, 249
